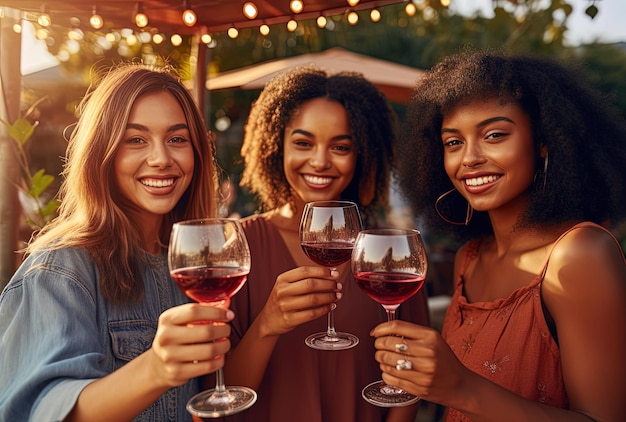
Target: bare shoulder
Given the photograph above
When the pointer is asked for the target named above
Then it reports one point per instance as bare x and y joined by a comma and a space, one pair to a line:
587, 245
586, 261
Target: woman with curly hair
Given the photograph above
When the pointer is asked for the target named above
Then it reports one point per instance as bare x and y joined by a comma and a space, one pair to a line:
310, 136
92, 326
524, 161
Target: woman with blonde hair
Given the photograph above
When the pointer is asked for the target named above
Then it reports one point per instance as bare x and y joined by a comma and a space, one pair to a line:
92, 327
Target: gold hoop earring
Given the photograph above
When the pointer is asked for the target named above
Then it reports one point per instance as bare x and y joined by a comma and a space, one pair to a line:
468, 215
539, 173
545, 171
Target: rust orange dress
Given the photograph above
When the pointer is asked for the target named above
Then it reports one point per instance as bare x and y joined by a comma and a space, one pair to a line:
507, 341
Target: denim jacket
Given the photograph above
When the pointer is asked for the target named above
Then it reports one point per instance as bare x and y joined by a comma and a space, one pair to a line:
57, 335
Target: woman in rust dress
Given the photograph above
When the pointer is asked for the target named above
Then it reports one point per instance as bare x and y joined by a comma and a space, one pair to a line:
529, 163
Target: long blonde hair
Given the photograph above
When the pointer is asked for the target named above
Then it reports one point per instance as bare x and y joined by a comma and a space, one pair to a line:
92, 214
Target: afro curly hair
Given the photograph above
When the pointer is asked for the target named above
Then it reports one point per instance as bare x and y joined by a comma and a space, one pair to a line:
371, 119
584, 136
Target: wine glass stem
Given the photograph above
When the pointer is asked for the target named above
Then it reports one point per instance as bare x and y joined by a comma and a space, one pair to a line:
331, 325
220, 386
330, 330
391, 314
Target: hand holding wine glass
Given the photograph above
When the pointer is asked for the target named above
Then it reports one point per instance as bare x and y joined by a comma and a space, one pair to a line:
209, 260
389, 265
328, 230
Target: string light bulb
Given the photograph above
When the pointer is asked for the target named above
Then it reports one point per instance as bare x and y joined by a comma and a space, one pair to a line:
176, 40
292, 25
233, 32
353, 3
44, 19
296, 6
445, 3
321, 21
41, 34
353, 17
189, 16
375, 15
141, 20
250, 10
96, 20
264, 30
410, 9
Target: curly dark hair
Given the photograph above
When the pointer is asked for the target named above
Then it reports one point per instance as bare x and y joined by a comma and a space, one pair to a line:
585, 139
372, 121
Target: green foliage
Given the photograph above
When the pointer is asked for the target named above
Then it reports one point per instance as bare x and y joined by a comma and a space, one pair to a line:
604, 66
20, 131
33, 186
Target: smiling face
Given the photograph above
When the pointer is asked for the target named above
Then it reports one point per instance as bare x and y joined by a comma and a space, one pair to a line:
154, 161
319, 152
488, 153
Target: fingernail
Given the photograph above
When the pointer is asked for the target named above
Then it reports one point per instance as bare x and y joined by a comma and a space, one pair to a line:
333, 306
339, 295
339, 286
230, 314
334, 273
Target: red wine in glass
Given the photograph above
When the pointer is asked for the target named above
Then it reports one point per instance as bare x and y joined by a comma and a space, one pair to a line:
389, 288
329, 254
389, 266
210, 284
209, 260
328, 230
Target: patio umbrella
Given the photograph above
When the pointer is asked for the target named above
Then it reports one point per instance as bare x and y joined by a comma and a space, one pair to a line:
396, 81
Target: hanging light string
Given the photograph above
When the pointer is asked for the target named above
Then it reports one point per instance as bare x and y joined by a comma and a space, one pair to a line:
251, 15
299, 12
140, 17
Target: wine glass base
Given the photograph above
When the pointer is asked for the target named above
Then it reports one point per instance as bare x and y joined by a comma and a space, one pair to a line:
211, 404
380, 394
339, 341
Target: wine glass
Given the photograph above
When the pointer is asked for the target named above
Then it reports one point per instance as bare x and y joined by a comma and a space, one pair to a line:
209, 260
389, 265
328, 230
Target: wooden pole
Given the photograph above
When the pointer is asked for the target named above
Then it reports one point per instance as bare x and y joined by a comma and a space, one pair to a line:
10, 88
199, 70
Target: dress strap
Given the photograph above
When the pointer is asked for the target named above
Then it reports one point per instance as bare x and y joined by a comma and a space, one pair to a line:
470, 253
576, 226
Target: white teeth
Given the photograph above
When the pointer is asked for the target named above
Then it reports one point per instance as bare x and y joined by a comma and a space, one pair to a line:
157, 183
477, 181
318, 180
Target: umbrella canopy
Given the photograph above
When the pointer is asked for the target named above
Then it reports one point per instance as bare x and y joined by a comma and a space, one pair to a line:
396, 81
